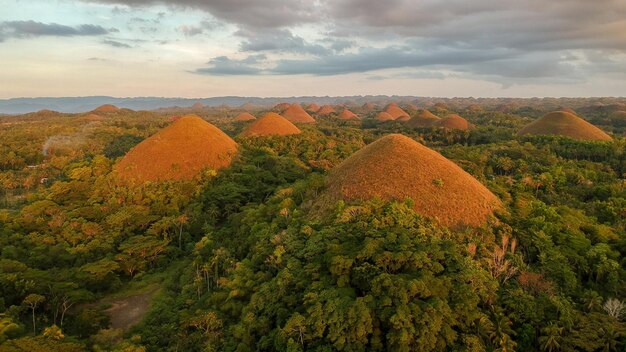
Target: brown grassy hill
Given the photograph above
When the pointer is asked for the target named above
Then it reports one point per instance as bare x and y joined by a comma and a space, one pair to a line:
248, 106
422, 118
270, 124
395, 111
565, 124
178, 152
312, 108
326, 110
403, 118
367, 107
280, 107
568, 110
47, 112
296, 114
245, 116
197, 106
441, 106
347, 115
384, 116
410, 108
106, 108
396, 167
453, 122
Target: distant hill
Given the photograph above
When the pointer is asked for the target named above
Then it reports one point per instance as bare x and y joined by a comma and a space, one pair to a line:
271, 124
565, 124
367, 102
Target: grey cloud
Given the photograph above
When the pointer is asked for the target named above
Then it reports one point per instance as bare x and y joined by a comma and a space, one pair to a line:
281, 40
30, 29
371, 59
422, 74
526, 25
339, 45
116, 44
222, 65
249, 13
505, 41
191, 30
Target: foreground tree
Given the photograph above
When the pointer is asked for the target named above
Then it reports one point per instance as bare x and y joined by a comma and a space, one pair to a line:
33, 301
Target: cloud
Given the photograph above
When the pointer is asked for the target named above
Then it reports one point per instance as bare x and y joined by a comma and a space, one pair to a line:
116, 44
222, 65
248, 13
31, 29
528, 24
280, 40
372, 59
191, 31
527, 41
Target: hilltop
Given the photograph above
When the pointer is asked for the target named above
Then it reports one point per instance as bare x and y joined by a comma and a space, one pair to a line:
106, 108
565, 124
326, 110
453, 122
312, 108
296, 114
396, 167
422, 118
396, 112
178, 152
270, 124
245, 116
347, 115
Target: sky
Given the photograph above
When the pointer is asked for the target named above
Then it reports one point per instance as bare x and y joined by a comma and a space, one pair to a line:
272, 48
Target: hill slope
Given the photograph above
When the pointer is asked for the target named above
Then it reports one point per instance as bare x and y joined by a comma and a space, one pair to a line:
347, 115
396, 112
178, 152
565, 124
396, 167
296, 114
270, 124
245, 116
453, 122
422, 118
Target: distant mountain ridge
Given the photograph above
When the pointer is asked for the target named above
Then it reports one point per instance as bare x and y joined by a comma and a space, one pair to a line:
83, 104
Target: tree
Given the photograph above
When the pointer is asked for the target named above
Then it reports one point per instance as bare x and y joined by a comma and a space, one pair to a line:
7, 328
610, 338
614, 308
53, 332
500, 267
33, 300
551, 337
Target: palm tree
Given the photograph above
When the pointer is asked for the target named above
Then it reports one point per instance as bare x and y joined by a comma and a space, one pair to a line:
550, 341
501, 335
593, 302
610, 338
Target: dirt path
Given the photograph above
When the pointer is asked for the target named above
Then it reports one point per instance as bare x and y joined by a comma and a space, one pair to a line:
128, 311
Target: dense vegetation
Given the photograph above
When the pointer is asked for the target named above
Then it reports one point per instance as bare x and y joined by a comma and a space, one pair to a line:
240, 260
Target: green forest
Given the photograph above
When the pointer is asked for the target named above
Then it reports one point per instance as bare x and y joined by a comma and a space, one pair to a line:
244, 258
